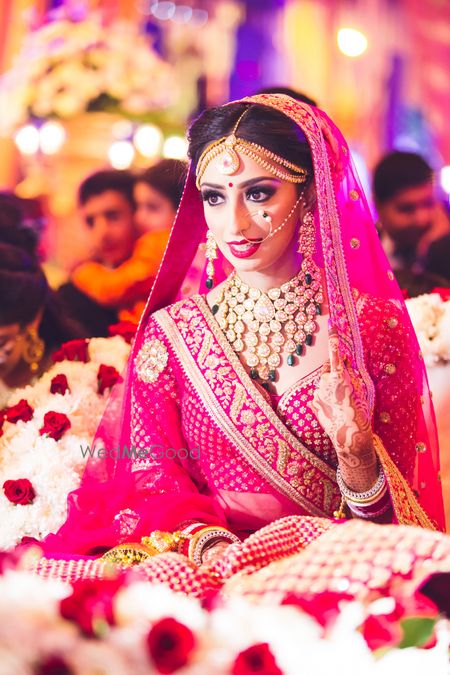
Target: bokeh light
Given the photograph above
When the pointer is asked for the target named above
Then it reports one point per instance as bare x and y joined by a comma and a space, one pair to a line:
175, 147
351, 42
147, 139
27, 139
52, 136
121, 154
445, 178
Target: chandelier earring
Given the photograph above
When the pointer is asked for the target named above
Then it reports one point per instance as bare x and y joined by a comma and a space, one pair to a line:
34, 349
307, 246
211, 255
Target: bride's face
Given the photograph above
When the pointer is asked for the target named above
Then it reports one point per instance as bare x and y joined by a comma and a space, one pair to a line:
233, 207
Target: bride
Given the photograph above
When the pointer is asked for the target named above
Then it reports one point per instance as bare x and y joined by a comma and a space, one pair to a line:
293, 387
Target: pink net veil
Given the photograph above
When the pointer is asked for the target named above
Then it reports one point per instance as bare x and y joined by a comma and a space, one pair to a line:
357, 271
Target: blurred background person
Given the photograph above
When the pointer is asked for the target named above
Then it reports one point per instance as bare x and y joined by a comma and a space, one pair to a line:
410, 218
438, 257
129, 221
32, 323
21, 223
107, 208
157, 193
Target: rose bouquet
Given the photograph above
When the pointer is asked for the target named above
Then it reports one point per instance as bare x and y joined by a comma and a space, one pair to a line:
122, 625
44, 434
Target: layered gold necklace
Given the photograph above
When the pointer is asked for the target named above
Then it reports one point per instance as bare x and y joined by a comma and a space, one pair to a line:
270, 325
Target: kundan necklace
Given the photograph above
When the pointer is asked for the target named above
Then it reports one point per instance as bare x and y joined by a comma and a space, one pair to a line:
270, 325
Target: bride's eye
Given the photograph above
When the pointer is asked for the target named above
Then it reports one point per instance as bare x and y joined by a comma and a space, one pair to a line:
213, 198
259, 194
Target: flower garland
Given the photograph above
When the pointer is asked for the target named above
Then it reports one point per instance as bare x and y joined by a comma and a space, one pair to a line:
430, 316
43, 432
74, 64
120, 625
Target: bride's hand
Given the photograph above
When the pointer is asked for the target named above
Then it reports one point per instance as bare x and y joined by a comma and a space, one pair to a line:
214, 553
342, 409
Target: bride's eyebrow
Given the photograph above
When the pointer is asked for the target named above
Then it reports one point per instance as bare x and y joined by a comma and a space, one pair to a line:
246, 183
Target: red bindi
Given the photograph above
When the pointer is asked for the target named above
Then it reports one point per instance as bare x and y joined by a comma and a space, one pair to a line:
230, 184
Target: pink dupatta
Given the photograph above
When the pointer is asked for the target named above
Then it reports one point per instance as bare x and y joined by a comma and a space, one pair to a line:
356, 267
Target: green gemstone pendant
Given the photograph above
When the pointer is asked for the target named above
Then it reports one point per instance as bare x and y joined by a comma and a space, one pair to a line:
214, 309
318, 309
272, 375
254, 374
308, 340
209, 282
299, 349
290, 360
308, 279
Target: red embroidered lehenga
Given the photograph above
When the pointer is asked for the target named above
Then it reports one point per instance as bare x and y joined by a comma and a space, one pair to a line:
242, 459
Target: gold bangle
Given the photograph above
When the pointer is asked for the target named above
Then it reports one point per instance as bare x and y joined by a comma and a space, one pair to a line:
134, 553
206, 535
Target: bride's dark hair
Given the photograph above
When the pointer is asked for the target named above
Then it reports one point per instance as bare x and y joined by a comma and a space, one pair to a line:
262, 125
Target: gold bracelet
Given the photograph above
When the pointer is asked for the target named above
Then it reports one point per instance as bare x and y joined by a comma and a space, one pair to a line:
134, 553
369, 496
205, 535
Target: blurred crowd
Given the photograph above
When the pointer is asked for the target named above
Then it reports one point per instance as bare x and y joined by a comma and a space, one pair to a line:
128, 218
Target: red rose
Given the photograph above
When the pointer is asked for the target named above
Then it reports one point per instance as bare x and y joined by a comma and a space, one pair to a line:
59, 384
256, 659
75, 350
53, 665
323, 607
26, 541
170, 644
381, 631
443, 292
91, 604
107, 377
19, 491
126, 329
21, 411
55, 425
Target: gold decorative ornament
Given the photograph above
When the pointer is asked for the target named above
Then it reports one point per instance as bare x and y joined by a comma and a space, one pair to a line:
267, 324
210, 255
227, 149
151, 360
134, 553
34, 349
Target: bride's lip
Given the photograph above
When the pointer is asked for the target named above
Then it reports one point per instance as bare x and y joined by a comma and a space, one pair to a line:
241, 251
244, 241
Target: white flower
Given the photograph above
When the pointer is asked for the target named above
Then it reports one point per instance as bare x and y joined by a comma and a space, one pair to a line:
54, 468
64, 66
430, 316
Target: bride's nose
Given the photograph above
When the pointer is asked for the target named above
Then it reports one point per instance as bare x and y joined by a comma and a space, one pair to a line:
239, 219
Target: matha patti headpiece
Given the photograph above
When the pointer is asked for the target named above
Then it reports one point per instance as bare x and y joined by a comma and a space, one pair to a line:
229, 146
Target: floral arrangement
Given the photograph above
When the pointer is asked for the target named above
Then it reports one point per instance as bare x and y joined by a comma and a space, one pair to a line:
44, 431
122, 625
74, 64
430, 315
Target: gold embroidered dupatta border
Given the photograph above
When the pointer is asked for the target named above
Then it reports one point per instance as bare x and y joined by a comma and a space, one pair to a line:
272, 448
404, 503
